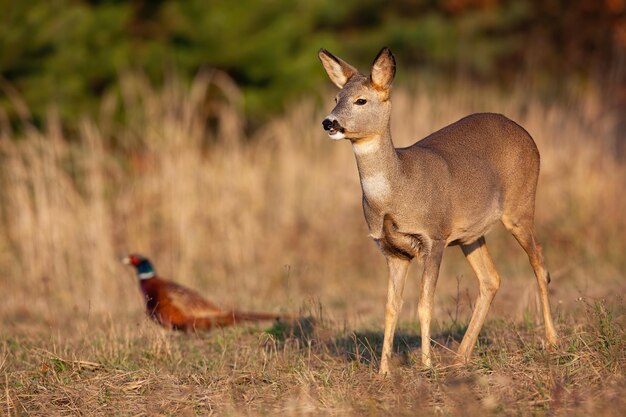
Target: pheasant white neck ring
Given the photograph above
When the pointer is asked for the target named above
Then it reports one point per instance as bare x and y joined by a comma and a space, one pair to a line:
146, 275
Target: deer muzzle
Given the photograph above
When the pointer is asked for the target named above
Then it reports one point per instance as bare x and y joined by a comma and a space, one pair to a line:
334, 129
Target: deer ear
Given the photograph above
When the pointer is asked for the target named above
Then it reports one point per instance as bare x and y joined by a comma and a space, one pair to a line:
383, 69
337, 69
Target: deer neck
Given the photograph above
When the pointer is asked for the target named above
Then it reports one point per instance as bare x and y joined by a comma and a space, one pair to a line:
378, 165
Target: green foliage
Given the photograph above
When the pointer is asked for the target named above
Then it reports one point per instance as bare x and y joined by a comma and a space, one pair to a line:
68, 53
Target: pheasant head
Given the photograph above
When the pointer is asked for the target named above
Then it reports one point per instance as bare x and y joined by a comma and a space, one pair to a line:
142, 265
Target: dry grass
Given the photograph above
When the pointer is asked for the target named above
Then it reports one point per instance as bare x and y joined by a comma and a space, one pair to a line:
273, 222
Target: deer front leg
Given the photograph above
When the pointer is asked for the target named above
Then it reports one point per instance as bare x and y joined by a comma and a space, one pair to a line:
397, 276
427, 295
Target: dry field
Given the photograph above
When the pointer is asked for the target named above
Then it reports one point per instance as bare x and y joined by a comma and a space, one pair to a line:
273, 223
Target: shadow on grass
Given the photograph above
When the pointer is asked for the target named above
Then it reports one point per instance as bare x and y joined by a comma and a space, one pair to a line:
365, 346
362, 346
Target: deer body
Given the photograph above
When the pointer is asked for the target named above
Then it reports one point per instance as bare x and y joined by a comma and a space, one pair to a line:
449, 188
431, 191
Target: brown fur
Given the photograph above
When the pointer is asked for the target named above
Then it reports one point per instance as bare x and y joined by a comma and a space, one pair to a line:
446, 189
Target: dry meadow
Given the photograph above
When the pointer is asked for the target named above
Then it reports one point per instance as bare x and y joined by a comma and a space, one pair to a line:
272, 221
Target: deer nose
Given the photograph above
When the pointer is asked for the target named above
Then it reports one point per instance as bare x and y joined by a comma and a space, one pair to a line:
327, 123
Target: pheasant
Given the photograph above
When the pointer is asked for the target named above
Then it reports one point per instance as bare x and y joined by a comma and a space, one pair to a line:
180, 308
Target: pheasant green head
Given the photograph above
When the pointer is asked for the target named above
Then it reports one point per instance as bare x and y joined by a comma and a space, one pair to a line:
142, 265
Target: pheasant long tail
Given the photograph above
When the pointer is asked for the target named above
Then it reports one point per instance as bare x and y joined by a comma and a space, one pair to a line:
230, 318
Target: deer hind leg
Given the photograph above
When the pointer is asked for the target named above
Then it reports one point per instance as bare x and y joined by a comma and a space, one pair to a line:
525, 236
427, 295
397, 276
489, 282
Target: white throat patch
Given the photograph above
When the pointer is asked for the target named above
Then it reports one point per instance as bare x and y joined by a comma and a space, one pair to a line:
376, 187
366, 147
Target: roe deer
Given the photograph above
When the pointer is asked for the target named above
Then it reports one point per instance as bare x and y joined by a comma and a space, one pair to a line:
446, 189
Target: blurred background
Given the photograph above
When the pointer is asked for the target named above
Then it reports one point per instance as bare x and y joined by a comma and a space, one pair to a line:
68, 54
190, 131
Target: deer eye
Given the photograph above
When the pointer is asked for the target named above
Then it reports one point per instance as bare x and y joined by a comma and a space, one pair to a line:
360, 102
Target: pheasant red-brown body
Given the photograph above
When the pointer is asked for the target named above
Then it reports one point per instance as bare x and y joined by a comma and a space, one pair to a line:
180, 308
